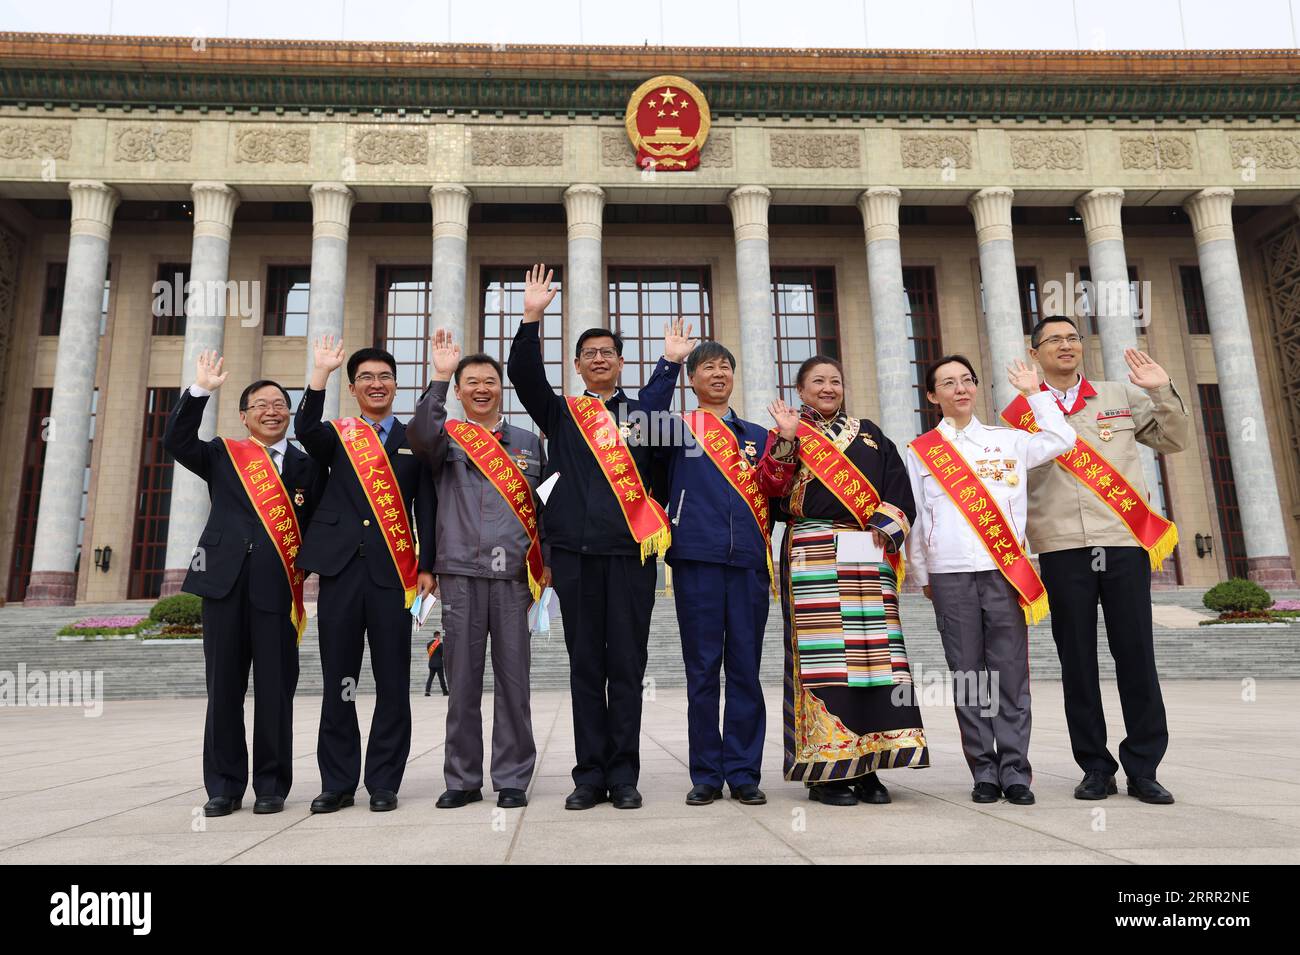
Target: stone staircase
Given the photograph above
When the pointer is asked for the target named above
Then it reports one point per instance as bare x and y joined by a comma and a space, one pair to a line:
136, 669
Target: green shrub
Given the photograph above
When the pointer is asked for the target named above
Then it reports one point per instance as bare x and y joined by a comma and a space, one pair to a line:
180, 609
1237, 595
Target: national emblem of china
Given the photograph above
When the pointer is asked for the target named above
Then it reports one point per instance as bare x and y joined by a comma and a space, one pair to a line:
667, 122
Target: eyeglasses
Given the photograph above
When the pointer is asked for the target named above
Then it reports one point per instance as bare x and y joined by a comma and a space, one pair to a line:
1057, 340
590, 353
261, 407
366, 377
950, 384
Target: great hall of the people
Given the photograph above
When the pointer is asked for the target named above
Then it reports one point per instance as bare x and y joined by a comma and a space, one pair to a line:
884, 207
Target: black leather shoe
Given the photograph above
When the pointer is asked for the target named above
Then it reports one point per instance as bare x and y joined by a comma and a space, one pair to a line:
512, 799
221, 805
986, 792
703, 795
749, 794
1096, 784
268, 804
625, 796
455, 798
832, 794
331, 801
1019, 794
1148, 790
870, 789
383, 800
584, 796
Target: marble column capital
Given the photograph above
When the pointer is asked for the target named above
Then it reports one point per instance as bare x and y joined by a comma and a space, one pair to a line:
991, 208
584, 206
450, 202
879, 207
93, 205
1100, 209
331, 209
749, 205
1211, 214
214, 209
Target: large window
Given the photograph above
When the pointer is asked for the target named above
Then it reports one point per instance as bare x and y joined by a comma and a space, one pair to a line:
56, 277
642, 301
805, 322
1135, 303
29, 494
1231, 536
153, 499
169, 306
501, 307
402, 317
288, 288
1027, 287
923, 333
1198, 316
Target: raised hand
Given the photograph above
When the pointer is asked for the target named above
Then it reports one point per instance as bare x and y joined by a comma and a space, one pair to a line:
207, 373
678, 344
538, 293
786, 418
328, 354
1144, 372
445, 354
1023, 378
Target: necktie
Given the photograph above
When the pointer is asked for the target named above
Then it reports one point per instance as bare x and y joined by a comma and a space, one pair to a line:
276, 460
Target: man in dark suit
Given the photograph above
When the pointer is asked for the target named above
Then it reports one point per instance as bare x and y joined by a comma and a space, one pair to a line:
434, 649
358, 542
602, 573
243, 578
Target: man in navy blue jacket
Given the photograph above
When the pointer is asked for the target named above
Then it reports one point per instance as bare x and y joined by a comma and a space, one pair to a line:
718, 474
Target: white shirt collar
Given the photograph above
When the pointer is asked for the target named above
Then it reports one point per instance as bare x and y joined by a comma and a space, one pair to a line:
1068, 396
950, 432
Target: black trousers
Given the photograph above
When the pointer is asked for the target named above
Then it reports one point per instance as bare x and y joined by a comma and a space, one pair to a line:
351, 610
606, 602
442, 681
1121, 578
235, 636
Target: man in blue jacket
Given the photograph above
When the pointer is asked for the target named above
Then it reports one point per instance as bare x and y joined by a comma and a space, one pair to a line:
720, 472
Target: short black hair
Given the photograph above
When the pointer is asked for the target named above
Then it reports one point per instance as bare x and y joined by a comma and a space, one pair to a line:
708, 351
478, 358
258, 386
1036, 336
932, 372
599, 333
369, 354
811, 363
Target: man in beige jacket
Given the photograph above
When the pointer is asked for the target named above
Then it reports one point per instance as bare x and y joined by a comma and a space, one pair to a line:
1097, 535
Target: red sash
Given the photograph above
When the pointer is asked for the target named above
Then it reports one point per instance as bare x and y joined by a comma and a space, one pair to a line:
722, 448
842, 477
374, 472
977, 504
482, 447
266, 492
645, 518
1156, 535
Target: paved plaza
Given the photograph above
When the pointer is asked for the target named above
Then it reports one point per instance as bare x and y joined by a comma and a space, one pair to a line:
125, 787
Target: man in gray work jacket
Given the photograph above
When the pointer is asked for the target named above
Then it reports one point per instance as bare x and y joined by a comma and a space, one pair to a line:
482, 551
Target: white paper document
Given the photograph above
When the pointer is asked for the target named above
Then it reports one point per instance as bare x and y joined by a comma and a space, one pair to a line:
858, 547
421, 607
546, 487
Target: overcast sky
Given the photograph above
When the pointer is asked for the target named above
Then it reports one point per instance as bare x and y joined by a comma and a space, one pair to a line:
997, 24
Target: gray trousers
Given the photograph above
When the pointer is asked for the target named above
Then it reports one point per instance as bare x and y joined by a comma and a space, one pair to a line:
984, 632
472, 608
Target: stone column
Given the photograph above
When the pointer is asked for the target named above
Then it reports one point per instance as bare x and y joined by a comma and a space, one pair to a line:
205, 329
895, 381
1110, 297
585, 290
451, 204
1262, 519
757, 357
54, 578
331, 211
992, 211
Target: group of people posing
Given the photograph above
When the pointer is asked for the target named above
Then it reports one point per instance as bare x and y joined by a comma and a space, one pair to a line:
387, 512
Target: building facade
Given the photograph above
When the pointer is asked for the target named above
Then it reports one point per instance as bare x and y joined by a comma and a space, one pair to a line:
161, 196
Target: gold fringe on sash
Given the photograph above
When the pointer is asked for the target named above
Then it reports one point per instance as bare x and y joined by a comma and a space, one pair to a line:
657, 544
1037, 610
1162, 548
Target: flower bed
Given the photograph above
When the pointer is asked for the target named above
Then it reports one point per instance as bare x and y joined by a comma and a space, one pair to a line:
106, 626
